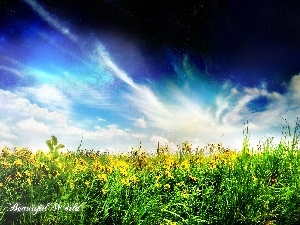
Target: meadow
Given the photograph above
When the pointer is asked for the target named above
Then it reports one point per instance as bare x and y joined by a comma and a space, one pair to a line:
207, 185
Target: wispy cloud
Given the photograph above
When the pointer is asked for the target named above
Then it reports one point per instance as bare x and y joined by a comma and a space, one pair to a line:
49, 97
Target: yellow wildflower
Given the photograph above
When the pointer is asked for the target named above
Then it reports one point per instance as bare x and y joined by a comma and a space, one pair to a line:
167, 186
104, 191
212, 165
125, 182
102, 177
157, 185
180, 184
169, 174
9, 178
193, 178
1, 184
254, 179
72, 185
6, 164
29, 181
123, 172
134, 179
18, 162
27, 173
18, 175
87, 183
185, 164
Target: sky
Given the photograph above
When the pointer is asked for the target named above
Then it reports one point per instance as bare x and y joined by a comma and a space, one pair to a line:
114, 73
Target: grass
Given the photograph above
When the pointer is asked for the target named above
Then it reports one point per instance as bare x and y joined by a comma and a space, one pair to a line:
187, 187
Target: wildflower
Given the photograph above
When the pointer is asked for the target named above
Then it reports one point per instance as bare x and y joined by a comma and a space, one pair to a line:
167, 186
184, 193
254, 178
185, 164
193, 178
123, 172
18, 162
6, 164
5, 151
102, 177
180, 184
108, 169
9, 178
29, 181
72, 185
27, 173
1, 184
134, 179
104, 191
56, 173
169, 174
87, 183
18, 175
125, 182
171, 223
212, 165
157, 185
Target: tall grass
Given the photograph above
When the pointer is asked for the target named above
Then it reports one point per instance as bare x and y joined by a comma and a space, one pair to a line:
258, 186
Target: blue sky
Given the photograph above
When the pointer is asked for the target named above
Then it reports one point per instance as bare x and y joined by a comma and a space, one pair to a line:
113, 89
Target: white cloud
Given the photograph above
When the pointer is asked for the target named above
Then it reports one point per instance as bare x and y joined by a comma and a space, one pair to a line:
31, 125
28, 125
141, 123
163, 142
295, 87
48, 96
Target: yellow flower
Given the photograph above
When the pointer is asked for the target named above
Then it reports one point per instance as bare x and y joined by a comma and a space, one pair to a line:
157, 185
254, 179
1, 184
193, 178
56, 173
5, 151
212, 165
6, 164
27, 173
123, 172
169, 174
167, 186
134, 179
72, 185
18, 175
87, 183
102, 177
29, 181
18, 162
125, 181
185, 164
180, 184
104, 191
169, 222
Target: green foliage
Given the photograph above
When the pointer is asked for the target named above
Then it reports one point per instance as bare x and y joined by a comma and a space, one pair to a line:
53, 144
189, 187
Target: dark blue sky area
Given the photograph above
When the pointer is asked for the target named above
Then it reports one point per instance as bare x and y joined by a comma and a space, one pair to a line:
244, 41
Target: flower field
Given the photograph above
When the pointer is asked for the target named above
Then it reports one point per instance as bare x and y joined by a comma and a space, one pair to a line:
210, 185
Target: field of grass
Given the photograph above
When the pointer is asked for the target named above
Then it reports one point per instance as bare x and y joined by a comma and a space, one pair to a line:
210, 185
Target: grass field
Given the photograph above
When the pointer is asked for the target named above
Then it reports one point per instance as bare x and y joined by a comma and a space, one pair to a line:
209, 185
